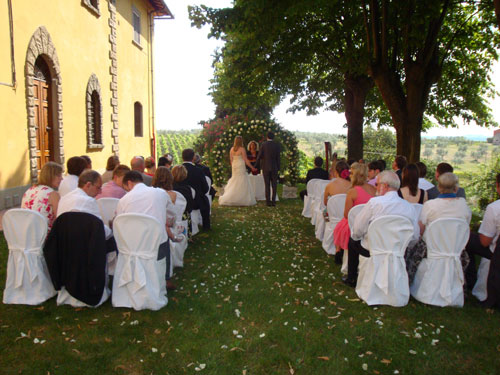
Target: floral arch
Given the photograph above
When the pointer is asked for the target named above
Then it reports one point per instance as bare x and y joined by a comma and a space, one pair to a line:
217, 137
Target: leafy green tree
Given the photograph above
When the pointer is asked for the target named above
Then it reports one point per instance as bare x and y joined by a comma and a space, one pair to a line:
431, 57
310, 50
428, 152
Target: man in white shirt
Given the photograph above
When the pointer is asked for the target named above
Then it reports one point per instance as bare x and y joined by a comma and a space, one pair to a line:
75, 166
82, 199
387, 202
142, 199
484, 242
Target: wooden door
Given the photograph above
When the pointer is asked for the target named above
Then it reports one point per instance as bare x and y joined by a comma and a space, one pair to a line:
43, 118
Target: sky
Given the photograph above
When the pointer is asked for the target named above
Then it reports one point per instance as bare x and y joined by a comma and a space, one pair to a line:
183, 58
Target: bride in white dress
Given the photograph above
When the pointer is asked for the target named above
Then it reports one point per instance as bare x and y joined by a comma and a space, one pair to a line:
238, 191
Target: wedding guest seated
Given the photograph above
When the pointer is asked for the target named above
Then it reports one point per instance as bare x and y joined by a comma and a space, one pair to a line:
316, 172
383, 165
150, 165
206, 171
43, 197
114, 188
196, 179
82, 199
423, 183
137, 164
374, 169
75, 166
88, 160
398, 164
441, 168
341, 184
448, 205
484, 243
142, 199
166, 161
409, 190
164, 179
359, 193
111, 164
387, 202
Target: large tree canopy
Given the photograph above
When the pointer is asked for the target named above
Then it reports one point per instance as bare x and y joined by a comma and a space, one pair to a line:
429, 59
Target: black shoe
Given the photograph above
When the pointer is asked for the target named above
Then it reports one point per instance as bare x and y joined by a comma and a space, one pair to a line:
273, 204
339, 257
268, 204
349, 282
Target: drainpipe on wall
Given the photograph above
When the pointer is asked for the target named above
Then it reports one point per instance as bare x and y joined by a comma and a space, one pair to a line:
12, 61
153, 140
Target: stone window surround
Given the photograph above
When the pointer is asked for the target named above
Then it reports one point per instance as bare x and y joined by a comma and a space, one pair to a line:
93, 85
41, 44
92, 8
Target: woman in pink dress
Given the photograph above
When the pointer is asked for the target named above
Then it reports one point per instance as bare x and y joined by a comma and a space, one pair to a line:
43, 197
359, 193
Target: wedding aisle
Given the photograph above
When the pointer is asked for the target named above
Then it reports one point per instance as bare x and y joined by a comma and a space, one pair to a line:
257, 295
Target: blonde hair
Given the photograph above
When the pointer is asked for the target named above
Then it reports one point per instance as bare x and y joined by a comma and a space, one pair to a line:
179, 172
238, 142
49, 172
359, 174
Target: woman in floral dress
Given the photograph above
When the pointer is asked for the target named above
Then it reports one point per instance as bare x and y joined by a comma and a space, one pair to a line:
43, 197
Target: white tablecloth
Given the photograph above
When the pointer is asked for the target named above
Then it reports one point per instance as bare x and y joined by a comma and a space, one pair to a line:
259, 188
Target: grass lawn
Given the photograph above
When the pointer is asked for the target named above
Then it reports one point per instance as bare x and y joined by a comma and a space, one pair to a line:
257, 295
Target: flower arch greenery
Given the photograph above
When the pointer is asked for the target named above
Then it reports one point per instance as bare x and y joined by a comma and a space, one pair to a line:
217, 137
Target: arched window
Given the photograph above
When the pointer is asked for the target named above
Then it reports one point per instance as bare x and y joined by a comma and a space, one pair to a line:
94, 114
92, 5
138, 119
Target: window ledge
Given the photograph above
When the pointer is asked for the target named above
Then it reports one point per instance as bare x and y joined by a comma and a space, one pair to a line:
91, 8
137, 44
95, 146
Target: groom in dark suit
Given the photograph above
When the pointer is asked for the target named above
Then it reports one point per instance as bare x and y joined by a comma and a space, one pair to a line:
269, 161
196, 179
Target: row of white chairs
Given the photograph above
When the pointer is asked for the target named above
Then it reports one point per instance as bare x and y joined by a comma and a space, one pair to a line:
382, 277
139, 279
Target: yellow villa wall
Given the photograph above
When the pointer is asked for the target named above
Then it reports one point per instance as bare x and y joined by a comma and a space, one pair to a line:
81, 41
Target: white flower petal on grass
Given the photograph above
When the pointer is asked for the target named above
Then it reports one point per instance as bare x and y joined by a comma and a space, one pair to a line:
154, 350
434, 342
364, 366
345, 341
262, 335
235, 332
43, 342
202, 366
411, 351
35, 341
239, 336
223, 347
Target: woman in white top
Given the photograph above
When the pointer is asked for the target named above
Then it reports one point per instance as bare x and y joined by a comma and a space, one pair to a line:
238, 191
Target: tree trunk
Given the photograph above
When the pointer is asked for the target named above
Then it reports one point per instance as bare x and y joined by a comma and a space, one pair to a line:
356, 89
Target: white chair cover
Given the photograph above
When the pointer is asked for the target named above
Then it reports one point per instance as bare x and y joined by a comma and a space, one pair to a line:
28, 280
313, 198
335, 209
318, 218
479, 291
439, 279
383, 279
351, 216
309, 198
418, 209
107, 208
139, 280
177, 249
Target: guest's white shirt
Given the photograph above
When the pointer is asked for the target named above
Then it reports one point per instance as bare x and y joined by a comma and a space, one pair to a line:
490, 227
69, 183
146, 200
424, 184
388, 204
443, 207
78, 201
